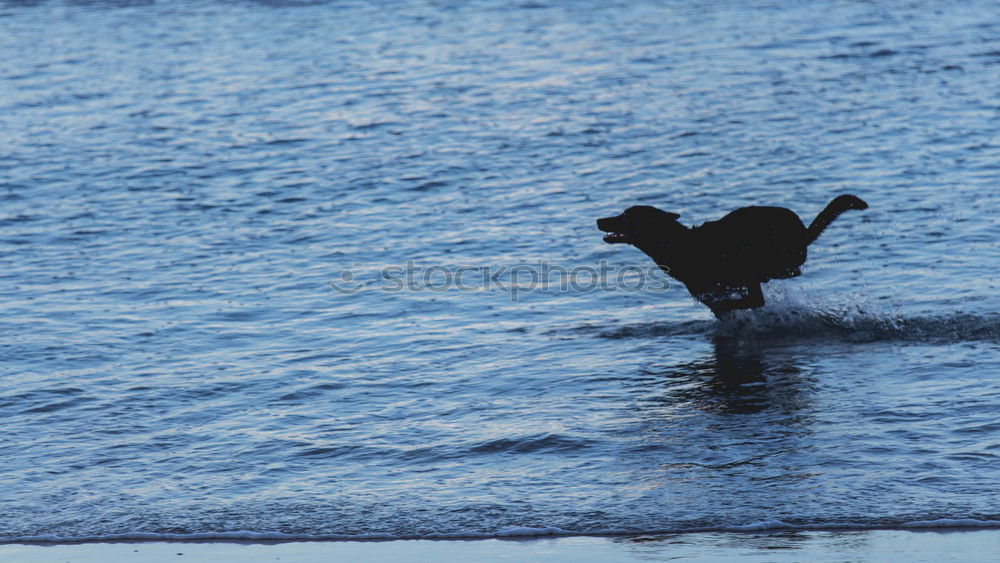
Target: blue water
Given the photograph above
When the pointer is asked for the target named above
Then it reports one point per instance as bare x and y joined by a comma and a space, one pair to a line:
185, 184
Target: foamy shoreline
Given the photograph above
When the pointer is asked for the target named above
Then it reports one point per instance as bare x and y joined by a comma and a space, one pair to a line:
511, 533
938, 544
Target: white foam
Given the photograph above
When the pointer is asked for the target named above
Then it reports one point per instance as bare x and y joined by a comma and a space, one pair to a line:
952, 523
941, 523
507, 532
525, 531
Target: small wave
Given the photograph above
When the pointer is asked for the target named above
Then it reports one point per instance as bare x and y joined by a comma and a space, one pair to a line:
426, 186
790, 325
509, 532
532, 444
685, 328
863, 328
791, 314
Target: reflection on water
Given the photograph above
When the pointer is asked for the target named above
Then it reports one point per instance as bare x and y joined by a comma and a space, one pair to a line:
738, 377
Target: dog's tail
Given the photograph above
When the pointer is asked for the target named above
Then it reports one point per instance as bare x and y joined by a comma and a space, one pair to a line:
839, 205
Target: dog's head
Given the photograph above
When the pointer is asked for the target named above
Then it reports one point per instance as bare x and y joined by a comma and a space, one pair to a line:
640, 224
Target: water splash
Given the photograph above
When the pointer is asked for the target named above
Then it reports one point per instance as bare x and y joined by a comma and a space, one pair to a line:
795, 314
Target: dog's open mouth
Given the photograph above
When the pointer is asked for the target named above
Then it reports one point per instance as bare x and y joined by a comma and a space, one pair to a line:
615, 228
614, 238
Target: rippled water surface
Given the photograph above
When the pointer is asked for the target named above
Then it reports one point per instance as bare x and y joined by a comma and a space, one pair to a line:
182, 181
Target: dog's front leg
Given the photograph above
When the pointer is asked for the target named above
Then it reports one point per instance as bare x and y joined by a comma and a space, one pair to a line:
752, 297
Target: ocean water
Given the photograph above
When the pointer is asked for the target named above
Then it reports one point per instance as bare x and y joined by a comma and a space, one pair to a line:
266, 268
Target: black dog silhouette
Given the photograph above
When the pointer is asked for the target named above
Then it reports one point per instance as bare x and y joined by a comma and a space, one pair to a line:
722, 263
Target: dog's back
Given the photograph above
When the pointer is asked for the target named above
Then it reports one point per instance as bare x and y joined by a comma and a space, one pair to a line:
753, 244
